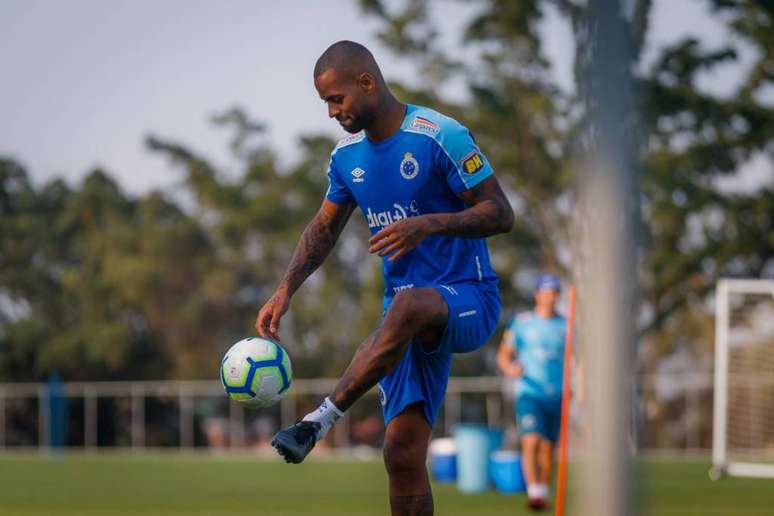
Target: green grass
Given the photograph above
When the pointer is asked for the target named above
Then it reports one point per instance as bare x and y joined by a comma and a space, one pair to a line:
166, 485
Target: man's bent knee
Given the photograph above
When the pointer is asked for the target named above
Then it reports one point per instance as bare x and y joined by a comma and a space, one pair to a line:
409, 307
417, 311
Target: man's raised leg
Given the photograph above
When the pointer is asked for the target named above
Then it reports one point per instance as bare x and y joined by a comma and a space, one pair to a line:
418, 313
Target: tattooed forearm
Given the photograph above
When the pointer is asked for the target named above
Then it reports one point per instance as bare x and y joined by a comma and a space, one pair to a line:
490, 213
482, 220
315, 244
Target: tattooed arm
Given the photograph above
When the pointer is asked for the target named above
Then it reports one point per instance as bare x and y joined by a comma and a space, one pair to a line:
315, 243
313, 247
489, 213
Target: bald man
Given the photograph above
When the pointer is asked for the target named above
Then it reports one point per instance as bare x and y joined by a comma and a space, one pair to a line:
429, 197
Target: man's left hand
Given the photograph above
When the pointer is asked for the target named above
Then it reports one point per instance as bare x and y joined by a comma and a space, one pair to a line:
399, 237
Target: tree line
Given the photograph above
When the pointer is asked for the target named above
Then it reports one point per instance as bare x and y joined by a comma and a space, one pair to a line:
99, 284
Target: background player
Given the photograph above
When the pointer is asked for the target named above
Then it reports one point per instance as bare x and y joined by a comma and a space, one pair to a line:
429, 198
532, 350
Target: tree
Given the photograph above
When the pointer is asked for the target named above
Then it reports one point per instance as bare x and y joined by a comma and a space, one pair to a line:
693, 231
98, 284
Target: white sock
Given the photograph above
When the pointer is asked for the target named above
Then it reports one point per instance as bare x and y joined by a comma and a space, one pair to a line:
326, 414
537, 491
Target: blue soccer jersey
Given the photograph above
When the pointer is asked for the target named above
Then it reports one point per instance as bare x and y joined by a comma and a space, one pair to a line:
539, 343
418, 170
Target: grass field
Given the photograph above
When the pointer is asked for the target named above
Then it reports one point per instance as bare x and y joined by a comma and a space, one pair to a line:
197, 485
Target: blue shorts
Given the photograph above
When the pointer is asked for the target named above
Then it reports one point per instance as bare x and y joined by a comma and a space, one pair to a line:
474, 310
539, 416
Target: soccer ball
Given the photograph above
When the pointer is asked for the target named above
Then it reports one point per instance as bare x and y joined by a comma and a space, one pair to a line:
256, 372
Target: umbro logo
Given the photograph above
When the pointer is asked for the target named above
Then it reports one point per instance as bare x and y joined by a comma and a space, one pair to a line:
357, 175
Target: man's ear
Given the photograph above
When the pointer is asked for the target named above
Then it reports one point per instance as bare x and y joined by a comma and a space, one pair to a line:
367, 82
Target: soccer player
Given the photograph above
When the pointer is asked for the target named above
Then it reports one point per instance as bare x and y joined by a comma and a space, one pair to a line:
532, 350
429, 197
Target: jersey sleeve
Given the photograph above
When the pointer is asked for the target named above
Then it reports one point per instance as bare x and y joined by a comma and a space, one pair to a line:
461, 161
338, 191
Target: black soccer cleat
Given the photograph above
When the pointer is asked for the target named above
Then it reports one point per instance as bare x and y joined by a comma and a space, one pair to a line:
295, 442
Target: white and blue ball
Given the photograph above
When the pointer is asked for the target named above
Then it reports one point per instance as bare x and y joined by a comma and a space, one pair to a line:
256, 372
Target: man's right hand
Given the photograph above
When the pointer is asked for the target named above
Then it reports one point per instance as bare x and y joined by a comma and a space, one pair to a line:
267, 322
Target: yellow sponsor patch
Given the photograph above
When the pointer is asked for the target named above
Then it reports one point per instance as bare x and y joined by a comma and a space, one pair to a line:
473, 163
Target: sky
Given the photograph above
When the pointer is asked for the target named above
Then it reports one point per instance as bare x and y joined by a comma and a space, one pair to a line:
84, 81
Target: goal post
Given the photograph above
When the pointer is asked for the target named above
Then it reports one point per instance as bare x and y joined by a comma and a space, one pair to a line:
743, 415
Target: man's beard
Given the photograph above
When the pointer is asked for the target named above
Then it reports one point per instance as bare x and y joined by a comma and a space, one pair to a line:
353, 127
359, 123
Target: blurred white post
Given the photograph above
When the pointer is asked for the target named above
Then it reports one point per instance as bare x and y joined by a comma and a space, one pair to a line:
138, 417
89, 417
607, 274
720, 408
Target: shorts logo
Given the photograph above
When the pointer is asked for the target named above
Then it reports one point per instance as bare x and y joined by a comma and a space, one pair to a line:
472, 163
450, 290
528, 422
409, 167
357, 175
380, 394
467, 314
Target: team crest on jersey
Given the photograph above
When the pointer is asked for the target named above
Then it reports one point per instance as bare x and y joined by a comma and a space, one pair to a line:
473, 162
409, 167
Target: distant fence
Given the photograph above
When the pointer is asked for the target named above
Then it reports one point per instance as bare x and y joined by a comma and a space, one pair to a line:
674, 413
197, 414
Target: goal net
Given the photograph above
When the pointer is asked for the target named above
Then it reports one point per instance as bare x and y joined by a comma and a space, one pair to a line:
743, 423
